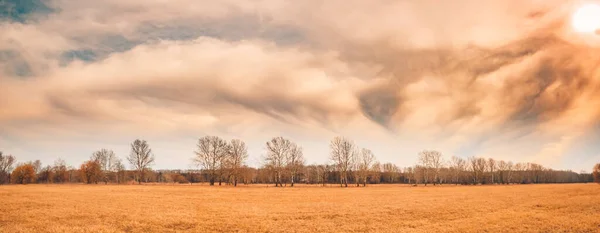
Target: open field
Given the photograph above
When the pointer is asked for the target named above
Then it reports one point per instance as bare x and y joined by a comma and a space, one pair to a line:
385, 208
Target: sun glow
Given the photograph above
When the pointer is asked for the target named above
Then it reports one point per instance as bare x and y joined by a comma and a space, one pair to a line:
587, 19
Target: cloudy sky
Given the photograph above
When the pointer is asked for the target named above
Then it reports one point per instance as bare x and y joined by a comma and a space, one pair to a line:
505, 79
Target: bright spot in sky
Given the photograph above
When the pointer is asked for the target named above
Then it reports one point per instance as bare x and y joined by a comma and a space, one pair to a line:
587, 18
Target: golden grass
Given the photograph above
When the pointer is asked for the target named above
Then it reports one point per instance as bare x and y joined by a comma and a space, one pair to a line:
384, 208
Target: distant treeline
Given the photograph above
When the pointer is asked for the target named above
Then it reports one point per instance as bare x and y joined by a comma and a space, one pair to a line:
223, 162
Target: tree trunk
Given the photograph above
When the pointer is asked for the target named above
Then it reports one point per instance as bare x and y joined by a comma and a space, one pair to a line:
346, 179
140, 177
279, 180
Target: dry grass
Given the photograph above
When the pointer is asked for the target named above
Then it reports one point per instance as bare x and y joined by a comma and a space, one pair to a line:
385, 208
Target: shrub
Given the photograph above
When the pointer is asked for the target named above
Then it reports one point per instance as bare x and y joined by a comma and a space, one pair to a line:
91, 172
23, 174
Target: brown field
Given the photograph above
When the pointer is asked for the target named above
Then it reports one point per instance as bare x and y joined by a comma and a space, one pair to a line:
384, 208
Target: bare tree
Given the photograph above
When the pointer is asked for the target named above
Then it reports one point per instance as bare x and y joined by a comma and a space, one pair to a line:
323, 173
423, 167
107, 160
140, 158
119, 170
535, 172
520, 170
37, 166
236, 156
390, 172
343, 154
366, 160
61, 174
410, 175
436, 164
502, 172
376, 171
211, 153
420, 174
295, 162
432, 162
477, 168
278, 153
492, 168
458, 166
46, 175
509, 172
6, 166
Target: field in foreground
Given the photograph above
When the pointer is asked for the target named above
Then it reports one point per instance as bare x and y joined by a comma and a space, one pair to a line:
386, 208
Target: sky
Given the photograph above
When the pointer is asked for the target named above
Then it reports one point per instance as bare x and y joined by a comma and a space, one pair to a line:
505, 79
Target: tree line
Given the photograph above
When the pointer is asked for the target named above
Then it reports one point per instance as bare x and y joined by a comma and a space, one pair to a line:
224, 162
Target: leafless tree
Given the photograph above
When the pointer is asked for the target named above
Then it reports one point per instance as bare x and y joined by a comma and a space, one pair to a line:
420, 174
423, 167
477, 168
278, 153
458, 166
295, 162
409, 176
491, 165
237, 154
61, 174
140, 157
107, 160
502, 172
323, 173
431, 163
119, 170
535, 172
343, 155
355, 171
520, 170
376, 172
509, 172
46, 175
37, 166
366, 160
248, 174
390, 172
436, 164
6, 166
211, 154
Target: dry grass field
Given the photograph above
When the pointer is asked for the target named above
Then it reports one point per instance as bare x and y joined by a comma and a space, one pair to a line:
385, 208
